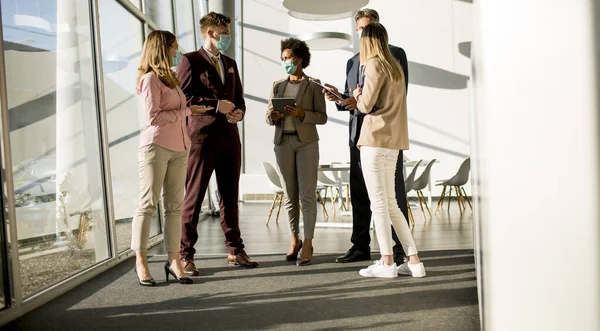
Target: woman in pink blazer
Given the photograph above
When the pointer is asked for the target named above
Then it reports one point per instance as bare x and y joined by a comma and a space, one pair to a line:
162, 155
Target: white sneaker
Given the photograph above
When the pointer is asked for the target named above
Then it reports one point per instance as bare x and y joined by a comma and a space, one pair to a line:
378, 269
408, 269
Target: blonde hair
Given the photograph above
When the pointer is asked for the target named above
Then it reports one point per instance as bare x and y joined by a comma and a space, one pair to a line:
213, 20
374, 44
156, 58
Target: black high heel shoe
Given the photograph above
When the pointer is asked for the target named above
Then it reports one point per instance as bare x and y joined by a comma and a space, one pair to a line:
144, 282
302, 262
182, 280
294, 256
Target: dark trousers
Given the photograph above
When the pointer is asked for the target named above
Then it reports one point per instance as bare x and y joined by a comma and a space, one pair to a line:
361, 205
226, 162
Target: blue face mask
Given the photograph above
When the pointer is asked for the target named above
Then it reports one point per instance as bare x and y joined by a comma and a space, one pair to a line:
289, 67
224, 42
176, 59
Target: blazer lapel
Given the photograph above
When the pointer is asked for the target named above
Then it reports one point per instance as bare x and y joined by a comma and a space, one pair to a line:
280, 90
214, 72
303, 86
353, 75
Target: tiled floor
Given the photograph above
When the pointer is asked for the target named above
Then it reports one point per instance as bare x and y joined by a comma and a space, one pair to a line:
443, 231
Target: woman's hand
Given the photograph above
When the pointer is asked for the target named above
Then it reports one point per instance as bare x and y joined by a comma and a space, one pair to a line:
357, 92
197, 109
295, 111
276, 116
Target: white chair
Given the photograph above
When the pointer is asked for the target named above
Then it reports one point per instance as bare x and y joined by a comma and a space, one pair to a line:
420, 183
457, 181
275, 186
408, 186
344, 178
326, 183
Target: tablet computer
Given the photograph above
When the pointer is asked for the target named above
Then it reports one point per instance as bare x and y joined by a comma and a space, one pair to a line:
280, 103
337, 96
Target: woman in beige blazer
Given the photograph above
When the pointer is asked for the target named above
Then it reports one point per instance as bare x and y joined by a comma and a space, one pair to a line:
297, 144
383, 134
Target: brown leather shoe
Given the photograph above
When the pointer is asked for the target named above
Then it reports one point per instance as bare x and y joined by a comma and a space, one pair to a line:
189, 267
242, 260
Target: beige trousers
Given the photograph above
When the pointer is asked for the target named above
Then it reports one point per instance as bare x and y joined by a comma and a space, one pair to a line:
159, 168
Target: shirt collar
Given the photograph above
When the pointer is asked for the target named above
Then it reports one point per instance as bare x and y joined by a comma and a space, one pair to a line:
210, 55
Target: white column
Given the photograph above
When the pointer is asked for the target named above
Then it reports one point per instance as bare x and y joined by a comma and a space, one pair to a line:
536, 164
227, 8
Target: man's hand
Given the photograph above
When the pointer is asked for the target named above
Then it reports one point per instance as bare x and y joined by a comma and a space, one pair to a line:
330, 96
295, 111
275, 115
349, 104
225, 107
234, 116
200, 109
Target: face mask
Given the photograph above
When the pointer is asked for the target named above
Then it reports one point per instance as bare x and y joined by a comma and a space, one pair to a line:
176, 59
289, 67
224, 42
359, 33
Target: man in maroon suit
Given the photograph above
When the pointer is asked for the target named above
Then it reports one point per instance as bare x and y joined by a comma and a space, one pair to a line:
211, 78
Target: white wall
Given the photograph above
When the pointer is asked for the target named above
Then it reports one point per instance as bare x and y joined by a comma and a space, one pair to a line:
536, 162
438, 98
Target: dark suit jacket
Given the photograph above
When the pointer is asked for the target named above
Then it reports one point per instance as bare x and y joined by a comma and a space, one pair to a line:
352, 72
200, 80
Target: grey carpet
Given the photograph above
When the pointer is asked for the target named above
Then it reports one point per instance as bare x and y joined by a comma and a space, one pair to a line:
276, 296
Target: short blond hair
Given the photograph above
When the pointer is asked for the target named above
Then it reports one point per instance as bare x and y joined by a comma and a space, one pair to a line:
213, 20
367, 12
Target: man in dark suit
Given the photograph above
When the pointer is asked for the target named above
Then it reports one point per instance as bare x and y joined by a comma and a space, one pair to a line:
361, 205
211, 78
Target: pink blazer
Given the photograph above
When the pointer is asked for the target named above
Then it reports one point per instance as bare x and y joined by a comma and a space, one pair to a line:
165, 109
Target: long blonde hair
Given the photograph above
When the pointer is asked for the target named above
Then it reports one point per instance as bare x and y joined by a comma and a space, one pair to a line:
156, 58
374, 44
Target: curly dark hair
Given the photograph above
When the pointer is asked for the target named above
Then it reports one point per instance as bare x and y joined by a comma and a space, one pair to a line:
299, 48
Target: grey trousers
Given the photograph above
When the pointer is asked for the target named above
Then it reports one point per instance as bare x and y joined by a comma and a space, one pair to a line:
159, 169
298, 165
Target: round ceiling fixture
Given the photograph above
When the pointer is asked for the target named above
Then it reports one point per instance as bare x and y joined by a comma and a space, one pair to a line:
313, 17
322, 41
320, 7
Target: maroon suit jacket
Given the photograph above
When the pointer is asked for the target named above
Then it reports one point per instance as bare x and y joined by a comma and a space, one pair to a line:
202, 85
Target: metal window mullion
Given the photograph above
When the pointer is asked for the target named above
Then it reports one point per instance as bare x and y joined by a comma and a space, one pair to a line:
13, 265
139, 14
174, 17
103, 130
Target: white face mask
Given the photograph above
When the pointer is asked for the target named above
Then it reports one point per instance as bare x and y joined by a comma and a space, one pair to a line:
359, 33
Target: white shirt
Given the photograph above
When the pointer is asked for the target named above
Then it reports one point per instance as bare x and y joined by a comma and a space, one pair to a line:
289, 123
210, 55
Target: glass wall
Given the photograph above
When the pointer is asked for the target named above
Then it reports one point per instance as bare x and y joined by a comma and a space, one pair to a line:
184, 11
65, 129
122, 37
54, 132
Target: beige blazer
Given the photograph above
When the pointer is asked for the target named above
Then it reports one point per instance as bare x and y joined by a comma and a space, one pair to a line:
311, 99
384, 102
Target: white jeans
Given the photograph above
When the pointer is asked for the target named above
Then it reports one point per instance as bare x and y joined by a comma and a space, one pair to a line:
379, 167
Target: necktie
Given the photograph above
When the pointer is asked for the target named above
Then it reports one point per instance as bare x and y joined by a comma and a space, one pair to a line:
217, 66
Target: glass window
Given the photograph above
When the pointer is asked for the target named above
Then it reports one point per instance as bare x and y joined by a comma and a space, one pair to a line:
185, 25
60, 209
161, 13
122, 39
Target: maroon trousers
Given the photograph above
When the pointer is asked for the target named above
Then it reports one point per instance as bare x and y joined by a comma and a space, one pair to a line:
226, 162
